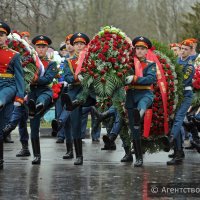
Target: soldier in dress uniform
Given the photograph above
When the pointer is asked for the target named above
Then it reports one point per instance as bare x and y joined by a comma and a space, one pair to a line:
19, 117
40, 96
188, 73
79, 41
139, 96
11, 81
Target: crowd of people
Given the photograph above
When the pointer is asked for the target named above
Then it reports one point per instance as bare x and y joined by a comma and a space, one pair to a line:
71, 115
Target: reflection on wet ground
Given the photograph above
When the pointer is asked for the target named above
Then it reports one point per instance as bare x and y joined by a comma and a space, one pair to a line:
102, 176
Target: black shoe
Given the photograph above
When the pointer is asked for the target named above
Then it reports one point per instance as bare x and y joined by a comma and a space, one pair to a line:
69, 153
178, 159
105, 147
196, 144
95, 140
173, 154
23, 153
128, 156
36, 160
36, 151
138, 153
60, 140
32, 108
109, 142
78, 161
56, 125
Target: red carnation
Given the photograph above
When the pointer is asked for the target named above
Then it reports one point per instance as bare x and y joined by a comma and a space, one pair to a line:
119, 74
163, 60
103, 80
103, 71
116, 67
96, 76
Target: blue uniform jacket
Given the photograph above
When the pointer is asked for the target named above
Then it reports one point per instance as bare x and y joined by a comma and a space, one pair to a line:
42, 84
134, 95
69, 76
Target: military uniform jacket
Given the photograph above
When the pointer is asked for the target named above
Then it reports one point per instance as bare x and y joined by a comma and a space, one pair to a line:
43, 82
10, 65
188, 71
141, 85
70, 66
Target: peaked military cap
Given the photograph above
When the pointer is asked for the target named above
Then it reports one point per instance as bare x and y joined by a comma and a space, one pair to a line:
63, 47
187, 42
79, 37
4, 28
41, 39
68, 37
142, 41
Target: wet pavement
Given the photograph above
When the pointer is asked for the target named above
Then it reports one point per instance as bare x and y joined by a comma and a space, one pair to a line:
102, 175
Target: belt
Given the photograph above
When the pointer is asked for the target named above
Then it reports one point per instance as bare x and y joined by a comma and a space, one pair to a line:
6, 75
140, 87
188, 88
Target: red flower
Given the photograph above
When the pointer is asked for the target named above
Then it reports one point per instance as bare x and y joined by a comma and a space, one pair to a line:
163, 61
103, 71
103, 80
95, 76
119, 74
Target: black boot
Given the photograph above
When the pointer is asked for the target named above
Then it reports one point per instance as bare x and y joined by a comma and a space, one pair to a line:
70, 105
36, 151
24, 152
7, 139
128, 156
166, 143
78, 150
138, 153
110, 142
174, 153
69, 153
56, 125
196, 144
178, 156
1, 154
32, 108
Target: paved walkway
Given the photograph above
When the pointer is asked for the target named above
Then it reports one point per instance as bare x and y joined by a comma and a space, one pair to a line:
102, 175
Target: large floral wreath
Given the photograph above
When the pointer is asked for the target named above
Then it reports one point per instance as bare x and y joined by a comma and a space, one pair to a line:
107, 61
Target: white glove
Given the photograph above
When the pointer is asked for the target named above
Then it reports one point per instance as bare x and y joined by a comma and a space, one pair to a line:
17, 104
80, 77
65, 84
129, 79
